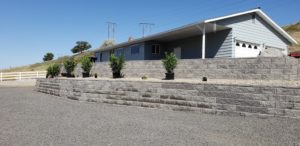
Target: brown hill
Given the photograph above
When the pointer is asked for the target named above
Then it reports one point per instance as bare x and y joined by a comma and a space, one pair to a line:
294, 31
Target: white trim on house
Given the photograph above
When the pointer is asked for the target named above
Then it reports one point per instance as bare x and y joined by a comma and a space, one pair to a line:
203, 42
263, 16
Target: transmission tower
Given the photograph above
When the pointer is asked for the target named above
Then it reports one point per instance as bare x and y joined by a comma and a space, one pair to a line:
111, 30
146, 27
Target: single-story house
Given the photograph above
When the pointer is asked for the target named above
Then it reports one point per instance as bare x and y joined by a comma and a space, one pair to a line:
244, 34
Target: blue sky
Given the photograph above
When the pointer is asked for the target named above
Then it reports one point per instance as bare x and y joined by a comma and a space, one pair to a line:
30, 28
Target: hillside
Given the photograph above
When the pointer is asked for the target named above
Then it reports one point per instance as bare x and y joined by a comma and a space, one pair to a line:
44, 65
294, 31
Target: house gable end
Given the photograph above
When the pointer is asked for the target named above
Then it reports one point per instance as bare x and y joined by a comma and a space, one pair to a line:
252, 28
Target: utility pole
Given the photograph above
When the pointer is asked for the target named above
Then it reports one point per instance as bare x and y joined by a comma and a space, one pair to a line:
111, 30
146, 27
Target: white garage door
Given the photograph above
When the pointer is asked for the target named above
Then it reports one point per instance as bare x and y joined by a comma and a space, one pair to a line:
243, 50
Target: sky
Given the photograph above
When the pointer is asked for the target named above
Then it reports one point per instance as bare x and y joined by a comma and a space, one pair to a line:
31, 28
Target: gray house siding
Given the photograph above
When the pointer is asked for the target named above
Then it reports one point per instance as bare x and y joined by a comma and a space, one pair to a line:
190, 47
105, 55
245, 28
126, 51
219, 45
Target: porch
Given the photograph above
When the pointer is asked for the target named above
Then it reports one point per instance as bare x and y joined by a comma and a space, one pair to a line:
197, 41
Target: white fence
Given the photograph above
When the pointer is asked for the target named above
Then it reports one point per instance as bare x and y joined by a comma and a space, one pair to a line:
22, 75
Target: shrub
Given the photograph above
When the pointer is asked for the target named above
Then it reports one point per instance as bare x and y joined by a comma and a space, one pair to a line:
170, 62
53, 71
86, 64
116, 65
70, 65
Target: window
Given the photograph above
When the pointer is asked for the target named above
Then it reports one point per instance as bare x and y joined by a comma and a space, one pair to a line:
155, 49
135, 50
248, 45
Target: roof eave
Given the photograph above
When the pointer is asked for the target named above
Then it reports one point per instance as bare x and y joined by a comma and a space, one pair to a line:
278, 28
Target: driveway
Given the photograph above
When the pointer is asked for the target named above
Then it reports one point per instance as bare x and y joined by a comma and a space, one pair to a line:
31, 118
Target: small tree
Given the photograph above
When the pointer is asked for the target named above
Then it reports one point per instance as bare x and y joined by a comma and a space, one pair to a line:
81, 46
86, 66
70, 65
116, 65
170, 63
53, 70
48, 56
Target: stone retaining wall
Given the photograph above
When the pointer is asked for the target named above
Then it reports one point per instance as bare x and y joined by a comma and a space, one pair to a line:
221, 99
251, 69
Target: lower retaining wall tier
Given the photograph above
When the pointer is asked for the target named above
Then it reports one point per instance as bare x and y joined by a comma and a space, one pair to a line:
286, 68
244, 100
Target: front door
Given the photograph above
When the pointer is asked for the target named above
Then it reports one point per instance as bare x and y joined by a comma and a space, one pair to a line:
177, 52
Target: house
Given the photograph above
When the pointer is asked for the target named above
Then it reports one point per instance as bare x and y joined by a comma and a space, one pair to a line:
245, 34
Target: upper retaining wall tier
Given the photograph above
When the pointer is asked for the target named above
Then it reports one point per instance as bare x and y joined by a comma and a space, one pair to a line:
208, 98
219, 68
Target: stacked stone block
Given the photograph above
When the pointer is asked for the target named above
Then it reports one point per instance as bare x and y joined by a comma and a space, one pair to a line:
262, 101
218, 68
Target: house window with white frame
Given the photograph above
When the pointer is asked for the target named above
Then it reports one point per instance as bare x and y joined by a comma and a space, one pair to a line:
155, 49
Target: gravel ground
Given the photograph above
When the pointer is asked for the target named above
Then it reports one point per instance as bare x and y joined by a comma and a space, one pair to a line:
31, 118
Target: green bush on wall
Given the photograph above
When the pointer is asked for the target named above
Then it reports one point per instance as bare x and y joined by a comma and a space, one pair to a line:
86, 65
170, 62
70, 65
116, 65
53, 70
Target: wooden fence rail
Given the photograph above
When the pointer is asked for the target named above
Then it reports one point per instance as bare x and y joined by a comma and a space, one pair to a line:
6, 76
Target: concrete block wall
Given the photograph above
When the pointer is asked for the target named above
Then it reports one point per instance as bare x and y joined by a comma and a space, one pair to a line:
250, 100
218, 68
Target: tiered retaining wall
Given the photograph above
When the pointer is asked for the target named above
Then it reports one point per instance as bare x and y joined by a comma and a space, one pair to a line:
208, 98
221, 68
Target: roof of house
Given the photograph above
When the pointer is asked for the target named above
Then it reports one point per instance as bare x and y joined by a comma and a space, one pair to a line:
196, 29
